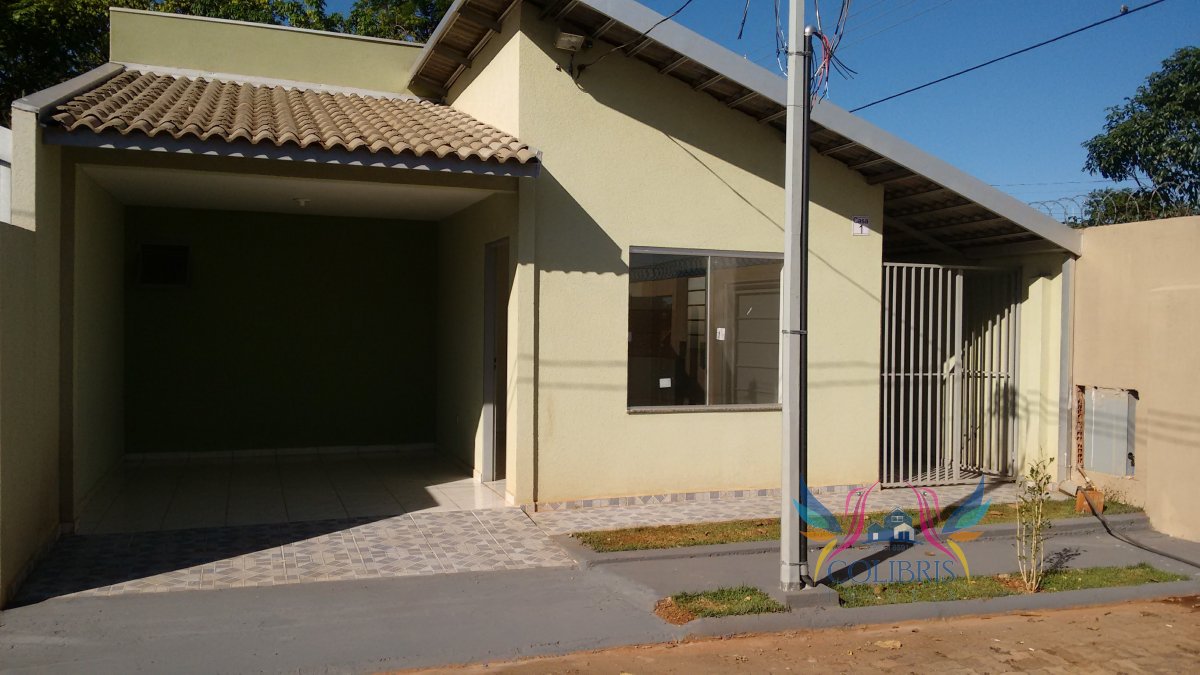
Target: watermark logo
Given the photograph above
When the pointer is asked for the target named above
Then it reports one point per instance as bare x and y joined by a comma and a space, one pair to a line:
897, 529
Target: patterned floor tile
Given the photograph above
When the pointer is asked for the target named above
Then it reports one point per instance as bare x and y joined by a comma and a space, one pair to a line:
287, 553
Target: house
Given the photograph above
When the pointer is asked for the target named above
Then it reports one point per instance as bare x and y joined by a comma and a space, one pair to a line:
560, 268
896, 527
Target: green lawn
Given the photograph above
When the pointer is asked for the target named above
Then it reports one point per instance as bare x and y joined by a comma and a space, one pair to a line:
870, 595
767, 529
683, 607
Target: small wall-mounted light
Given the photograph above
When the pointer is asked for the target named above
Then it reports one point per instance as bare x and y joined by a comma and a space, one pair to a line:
302, 201
569, 42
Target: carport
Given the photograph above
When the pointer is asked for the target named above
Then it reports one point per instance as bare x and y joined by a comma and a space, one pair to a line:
267, 300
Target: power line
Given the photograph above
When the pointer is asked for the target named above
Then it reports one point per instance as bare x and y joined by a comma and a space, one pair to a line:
898, 23
1124, 13
1060, 182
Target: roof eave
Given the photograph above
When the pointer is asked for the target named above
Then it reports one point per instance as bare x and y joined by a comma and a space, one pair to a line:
906, 154
313, 155
434, 38
752, 76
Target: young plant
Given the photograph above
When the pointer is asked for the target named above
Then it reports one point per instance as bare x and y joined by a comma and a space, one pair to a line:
1033, 492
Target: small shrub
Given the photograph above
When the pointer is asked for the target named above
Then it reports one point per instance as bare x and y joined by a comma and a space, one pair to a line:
1033, 492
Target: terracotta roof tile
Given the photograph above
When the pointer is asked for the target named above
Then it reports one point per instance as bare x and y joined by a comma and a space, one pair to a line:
153, 104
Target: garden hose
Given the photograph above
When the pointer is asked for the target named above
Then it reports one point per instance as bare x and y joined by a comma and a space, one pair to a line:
1131, 542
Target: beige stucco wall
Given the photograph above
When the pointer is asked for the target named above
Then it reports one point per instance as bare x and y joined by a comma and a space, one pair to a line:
29, 356
1137, 310
98, 363
462, 239
213, 45
1039, 360
489, 90
632, 158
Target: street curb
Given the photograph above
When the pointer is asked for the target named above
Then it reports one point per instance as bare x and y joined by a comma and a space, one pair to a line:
587, 558
830, 617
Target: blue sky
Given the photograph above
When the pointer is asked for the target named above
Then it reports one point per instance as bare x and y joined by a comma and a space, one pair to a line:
1012, 124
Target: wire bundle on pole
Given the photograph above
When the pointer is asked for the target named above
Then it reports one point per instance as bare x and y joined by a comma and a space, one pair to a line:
829, 61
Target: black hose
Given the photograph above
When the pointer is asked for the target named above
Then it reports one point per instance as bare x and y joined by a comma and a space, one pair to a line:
1131, 542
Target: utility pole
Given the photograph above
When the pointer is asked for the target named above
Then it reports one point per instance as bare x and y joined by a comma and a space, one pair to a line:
793, 549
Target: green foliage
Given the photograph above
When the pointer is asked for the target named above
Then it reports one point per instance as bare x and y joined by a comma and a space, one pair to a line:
1032, 523
412, 20
1110, 206
961, 588
735, 601
1154, 136
45, 42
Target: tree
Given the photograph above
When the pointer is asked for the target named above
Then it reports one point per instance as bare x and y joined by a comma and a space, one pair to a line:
412, 20
1153, 139
44, 42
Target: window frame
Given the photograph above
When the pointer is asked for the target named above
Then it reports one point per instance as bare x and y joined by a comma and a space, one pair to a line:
706, 407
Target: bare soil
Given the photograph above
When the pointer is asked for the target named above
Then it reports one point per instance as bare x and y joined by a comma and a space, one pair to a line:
1156, 636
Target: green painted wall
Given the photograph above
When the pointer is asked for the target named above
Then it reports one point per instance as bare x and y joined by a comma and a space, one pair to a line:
214, 45
98, 367
293, 332
29, 354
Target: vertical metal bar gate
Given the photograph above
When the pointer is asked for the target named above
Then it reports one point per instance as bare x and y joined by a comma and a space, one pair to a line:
948, 381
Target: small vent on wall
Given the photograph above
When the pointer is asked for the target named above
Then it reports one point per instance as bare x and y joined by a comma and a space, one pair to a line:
163, 265
1109, 417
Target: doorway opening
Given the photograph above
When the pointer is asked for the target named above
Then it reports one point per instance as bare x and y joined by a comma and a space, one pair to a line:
495, 360
948, 394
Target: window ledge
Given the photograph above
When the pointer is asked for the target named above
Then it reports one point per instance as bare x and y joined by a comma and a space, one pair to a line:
672, 409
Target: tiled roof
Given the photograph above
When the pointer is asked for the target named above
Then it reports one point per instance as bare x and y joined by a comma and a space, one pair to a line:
152, 104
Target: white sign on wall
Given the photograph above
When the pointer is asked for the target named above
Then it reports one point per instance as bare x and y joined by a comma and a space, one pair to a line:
860, 226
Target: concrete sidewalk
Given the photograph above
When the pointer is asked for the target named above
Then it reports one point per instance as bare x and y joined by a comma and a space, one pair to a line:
360, 626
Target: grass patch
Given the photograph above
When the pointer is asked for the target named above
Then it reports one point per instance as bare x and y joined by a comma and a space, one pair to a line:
767, 529
683, 607
674, 536
871, 595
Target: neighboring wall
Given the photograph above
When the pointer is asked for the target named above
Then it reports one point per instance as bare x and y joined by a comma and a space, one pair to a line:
634, 158
98, 362
215, 45
29, 354
1137, 314
293, 332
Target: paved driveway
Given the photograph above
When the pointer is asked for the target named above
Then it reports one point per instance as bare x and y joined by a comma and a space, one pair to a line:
290, 553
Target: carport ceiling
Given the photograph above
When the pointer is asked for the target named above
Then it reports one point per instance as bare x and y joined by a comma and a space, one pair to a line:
183, 188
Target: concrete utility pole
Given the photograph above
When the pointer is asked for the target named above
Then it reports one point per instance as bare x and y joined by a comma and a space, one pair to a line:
793, 549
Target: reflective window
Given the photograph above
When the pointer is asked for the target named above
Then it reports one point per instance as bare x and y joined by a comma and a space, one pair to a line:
703, 329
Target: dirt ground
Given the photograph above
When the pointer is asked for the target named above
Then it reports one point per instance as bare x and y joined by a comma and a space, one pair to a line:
1147, 636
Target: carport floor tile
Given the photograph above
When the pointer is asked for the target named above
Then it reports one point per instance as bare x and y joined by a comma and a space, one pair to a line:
289, 553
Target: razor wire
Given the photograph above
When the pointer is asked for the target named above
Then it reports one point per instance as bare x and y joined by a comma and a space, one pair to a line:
1109, 207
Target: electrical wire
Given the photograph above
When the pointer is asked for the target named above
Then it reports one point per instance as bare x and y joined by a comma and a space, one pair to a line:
1132, 542
898, 23
579, 70
1123, 13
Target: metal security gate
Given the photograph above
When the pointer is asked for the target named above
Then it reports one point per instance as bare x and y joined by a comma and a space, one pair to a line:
949, 367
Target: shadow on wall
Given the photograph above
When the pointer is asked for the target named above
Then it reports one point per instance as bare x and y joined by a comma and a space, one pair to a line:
579, 243
733, 137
